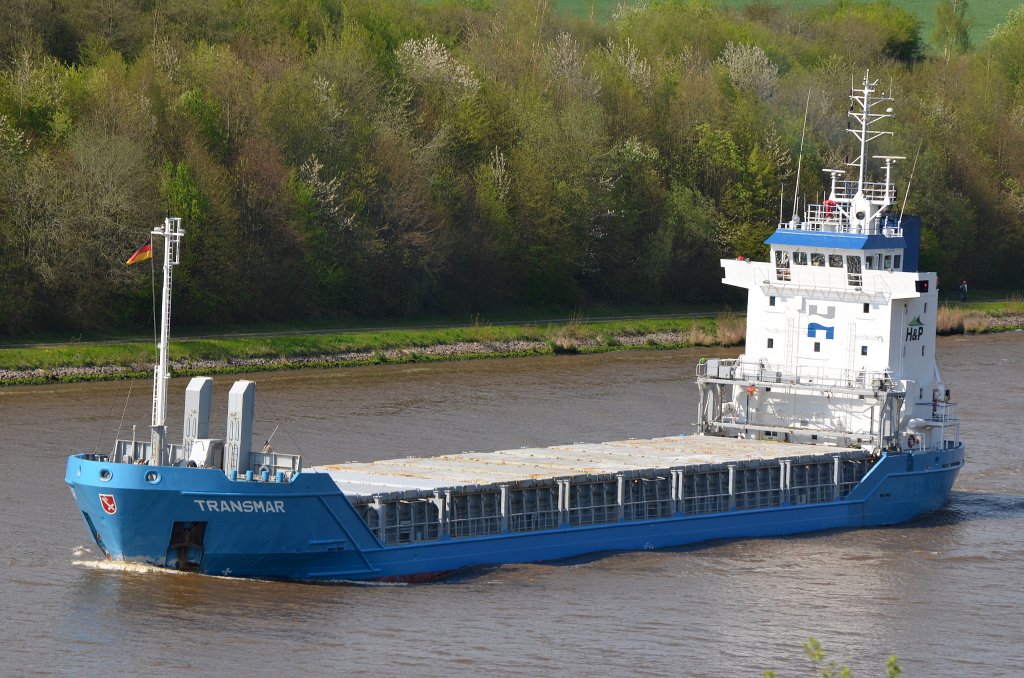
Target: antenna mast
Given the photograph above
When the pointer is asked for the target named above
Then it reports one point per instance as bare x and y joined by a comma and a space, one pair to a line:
870, 199
800, 158
864, 102
171, 233
910, 181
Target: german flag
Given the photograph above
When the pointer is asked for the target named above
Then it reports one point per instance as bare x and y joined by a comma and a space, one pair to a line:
141, 254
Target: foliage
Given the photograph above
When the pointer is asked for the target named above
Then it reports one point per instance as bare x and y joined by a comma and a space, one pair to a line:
952, 27
1005, 46
750, 69
816, 655
335, 159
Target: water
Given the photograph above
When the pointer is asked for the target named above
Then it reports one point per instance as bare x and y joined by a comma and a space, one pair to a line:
944, 592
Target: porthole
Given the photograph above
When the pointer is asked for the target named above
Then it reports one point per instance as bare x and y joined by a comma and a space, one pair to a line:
152, 477
105, 475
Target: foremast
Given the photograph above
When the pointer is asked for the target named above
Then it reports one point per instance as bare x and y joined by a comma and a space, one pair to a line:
171, 233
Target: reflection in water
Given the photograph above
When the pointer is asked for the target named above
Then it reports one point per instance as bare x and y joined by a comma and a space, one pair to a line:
942, 592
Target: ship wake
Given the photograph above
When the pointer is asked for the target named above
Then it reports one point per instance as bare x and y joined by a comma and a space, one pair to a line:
122, 566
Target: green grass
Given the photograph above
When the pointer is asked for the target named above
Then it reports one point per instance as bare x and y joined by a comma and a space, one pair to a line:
75, 355
523, 316
311, 345
995, 309
987, 13
327, 349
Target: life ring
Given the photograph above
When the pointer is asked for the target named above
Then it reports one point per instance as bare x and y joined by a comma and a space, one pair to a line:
830, 206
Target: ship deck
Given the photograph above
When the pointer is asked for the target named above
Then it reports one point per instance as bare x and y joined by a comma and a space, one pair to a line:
559, 461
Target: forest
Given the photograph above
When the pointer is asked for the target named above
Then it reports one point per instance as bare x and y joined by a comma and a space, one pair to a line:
355, 158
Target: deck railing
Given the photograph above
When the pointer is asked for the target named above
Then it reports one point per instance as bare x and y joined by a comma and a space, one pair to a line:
746, 371
829, 280
834, 217
579, 501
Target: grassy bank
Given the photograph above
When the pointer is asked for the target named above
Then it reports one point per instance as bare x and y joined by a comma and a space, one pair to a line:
980, 317
129, 359
91, 361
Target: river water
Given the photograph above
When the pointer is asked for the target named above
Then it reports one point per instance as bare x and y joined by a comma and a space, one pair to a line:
945, 593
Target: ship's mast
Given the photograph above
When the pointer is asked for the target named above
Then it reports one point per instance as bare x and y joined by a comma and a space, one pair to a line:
868, 200
171, 233
864, 102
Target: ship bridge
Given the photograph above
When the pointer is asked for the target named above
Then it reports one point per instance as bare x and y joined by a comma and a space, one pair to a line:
840, 343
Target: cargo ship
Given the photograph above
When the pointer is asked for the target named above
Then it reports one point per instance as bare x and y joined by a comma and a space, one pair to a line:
835, 416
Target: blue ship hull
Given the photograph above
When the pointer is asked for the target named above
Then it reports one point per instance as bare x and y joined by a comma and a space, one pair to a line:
307, 529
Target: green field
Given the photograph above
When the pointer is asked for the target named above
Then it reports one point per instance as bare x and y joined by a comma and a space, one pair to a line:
987, 14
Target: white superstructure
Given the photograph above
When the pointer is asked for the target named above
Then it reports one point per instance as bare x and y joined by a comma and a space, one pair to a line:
840, 344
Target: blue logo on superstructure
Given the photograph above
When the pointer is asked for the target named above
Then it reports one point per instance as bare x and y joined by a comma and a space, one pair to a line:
812, 330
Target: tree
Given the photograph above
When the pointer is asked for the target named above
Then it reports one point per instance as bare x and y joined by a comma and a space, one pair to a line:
351, 156
750, 69
1004, 45
952, 27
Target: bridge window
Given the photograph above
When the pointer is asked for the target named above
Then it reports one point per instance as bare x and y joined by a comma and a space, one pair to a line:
835, 260
853, 275
781, 265
771, 301
888, 261
817, 347
863, 350
817, 259
867, 307
869, 263
800, 258
771, 343
897, 262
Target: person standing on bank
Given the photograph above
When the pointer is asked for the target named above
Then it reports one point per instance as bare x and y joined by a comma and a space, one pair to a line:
963, 291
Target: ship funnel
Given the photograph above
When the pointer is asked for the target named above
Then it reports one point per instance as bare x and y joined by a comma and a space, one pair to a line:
198, 396
238, 443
